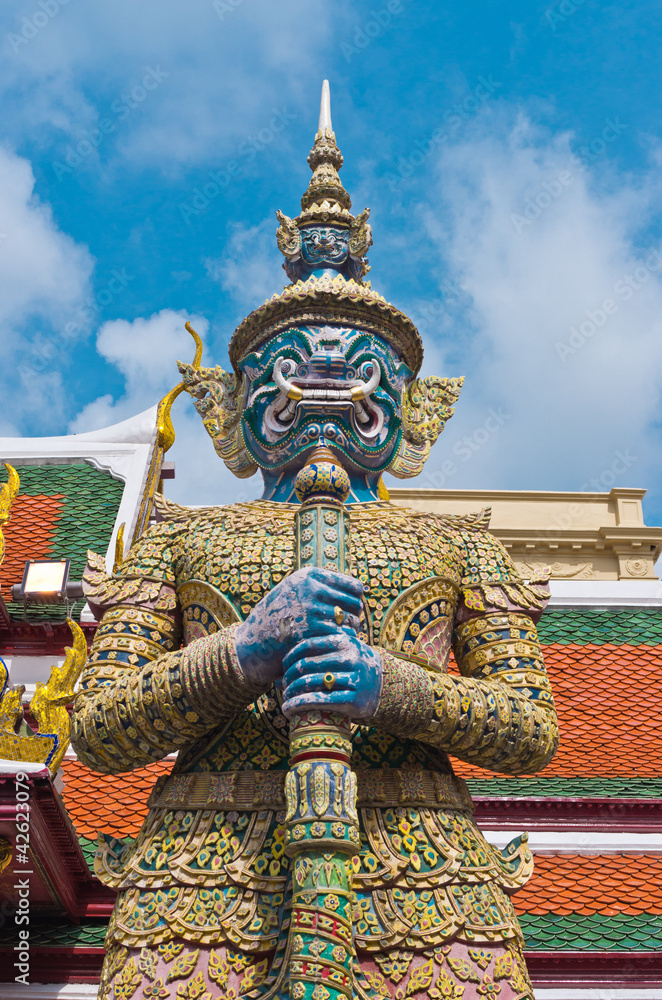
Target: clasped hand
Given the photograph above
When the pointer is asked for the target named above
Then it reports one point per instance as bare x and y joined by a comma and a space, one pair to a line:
293, 634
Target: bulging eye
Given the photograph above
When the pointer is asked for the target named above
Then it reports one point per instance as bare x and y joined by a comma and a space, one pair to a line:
366, 370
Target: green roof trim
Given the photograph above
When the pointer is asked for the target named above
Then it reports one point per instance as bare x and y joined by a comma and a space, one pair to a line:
548, 932
92, 499
89, 849
59, 935
596, 932
616, 626
555, 788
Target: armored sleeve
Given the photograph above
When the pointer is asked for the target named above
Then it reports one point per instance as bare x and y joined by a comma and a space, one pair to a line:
141, 696
499, 714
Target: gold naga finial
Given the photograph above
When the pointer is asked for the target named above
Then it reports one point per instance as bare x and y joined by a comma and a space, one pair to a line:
119, 547
165, 438
48, 706
8, 493
166, 431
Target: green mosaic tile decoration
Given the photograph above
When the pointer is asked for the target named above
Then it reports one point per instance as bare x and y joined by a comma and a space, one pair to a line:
58, 935
617, 626
554, 788
89, 849
548, 932
595, 932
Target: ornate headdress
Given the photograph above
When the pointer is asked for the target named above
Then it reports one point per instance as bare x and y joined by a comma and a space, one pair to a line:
324, 249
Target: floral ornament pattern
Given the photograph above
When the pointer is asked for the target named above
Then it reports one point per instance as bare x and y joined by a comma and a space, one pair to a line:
449, 972
127, 982
194, 989
170, 949
156, 990
184, 966
218, 969
147, 963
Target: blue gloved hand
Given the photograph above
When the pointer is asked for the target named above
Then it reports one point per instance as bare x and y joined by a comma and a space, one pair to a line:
300, 607
336, 673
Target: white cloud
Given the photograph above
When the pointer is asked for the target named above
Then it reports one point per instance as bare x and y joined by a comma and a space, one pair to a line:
522, 285
44, 283
145, 351
43, 272
225, 66
250, 268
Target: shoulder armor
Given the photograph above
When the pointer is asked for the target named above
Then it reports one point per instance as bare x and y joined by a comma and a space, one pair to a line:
168, 510
478, 520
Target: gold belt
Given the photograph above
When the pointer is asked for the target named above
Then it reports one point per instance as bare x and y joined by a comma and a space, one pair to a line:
251, 790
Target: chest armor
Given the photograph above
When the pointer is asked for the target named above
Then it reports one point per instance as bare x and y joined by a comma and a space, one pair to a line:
231, 559
216, 872
412, 577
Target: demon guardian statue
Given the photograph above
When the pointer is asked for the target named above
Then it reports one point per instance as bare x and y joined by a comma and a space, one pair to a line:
312, 840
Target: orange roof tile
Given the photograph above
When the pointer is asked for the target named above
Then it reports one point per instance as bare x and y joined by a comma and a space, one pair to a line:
607, 699
609, 884
29, 534
106, 803
608, 702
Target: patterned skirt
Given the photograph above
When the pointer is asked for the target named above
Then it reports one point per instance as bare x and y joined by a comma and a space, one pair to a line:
176, 970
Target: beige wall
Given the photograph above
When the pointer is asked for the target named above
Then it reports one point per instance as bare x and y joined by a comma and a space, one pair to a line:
581, 536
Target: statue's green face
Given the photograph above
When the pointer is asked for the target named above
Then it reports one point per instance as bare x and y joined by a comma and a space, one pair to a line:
324, 246
325, 384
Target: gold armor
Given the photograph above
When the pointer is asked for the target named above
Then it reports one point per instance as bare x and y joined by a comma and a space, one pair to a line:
208, 868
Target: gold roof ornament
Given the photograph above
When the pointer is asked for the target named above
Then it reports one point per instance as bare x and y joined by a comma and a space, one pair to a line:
165, 438
49, 704
8, 493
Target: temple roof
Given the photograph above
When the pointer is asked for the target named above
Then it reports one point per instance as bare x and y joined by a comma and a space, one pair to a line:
593, 814
60, 512
611, 745
607, 697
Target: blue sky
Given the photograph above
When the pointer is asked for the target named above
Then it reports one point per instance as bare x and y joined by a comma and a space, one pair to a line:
510, 154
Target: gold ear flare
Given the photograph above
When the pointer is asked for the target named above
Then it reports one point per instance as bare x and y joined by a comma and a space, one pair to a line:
360, 234
427, 404
382, 491
217, 396
288, 237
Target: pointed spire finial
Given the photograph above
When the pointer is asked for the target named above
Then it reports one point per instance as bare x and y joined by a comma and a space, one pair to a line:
327, 204
325, 109
326, 197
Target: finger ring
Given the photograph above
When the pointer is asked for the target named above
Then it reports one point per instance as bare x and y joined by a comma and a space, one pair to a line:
329, 681
339, 615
